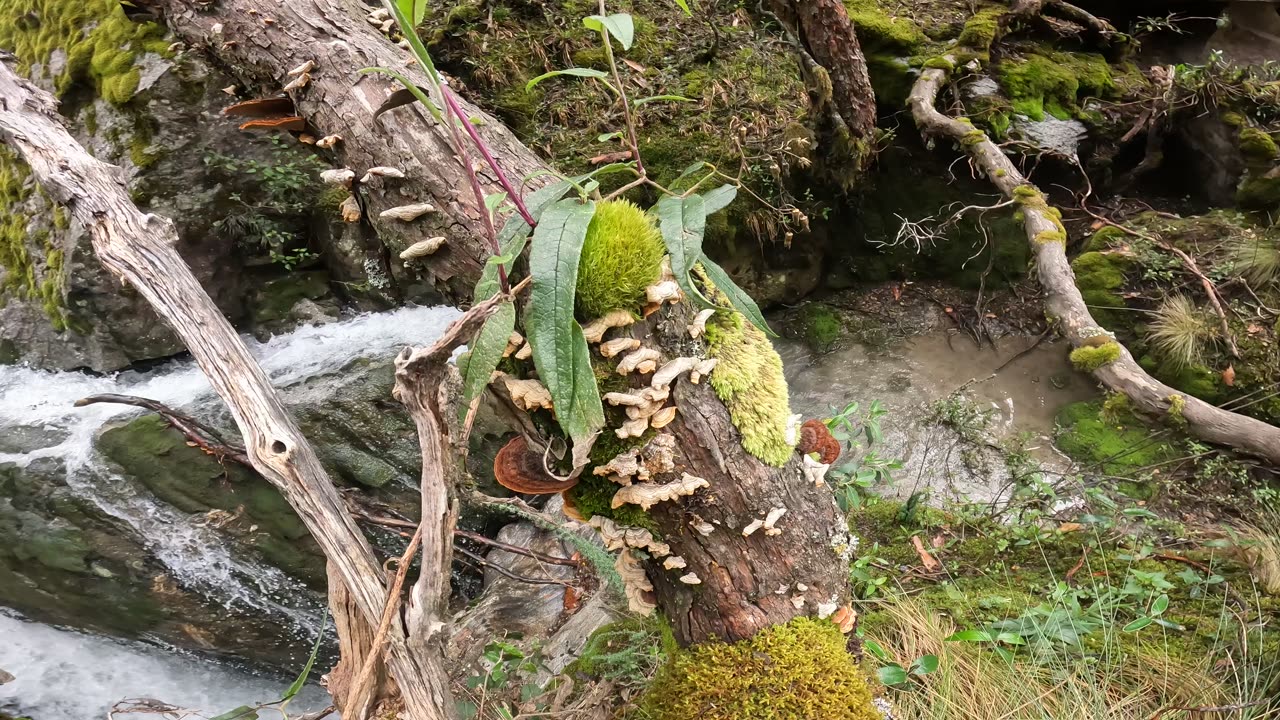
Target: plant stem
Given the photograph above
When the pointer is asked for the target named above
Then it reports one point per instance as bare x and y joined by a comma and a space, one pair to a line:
465, 158
452, 104
622, 93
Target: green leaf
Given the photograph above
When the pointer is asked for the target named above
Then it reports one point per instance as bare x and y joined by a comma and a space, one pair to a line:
925, 665
301, 680
414, 9
560, 350
970, 636
1009, 638
658, 98
1138, 624
619, 25
244, 712
684, 5
415, 43
1160, 605
683, 222
893, 674
514, 234
876, 649
575, 72
493, 200
486, 352
739, 299
718, 199
693, 168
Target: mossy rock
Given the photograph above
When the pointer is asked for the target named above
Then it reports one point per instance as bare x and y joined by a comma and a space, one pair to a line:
1195, 380
1118, 445
891, 80
1259, 192
1100, 277
1257, 145
1037, 84
879, 31
278, 297
820, 326
797, 671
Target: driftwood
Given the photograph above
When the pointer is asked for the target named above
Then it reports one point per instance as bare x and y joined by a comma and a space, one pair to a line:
1063, 300
139, 248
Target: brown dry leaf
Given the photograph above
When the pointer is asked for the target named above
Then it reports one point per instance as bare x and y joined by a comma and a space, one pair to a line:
612, 157
1229, 376
930, 562
571, 598
634, 65
1067, 527
938, 541
1253, 329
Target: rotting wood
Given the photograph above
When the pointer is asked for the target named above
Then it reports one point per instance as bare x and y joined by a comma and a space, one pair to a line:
139, 248
1063, 300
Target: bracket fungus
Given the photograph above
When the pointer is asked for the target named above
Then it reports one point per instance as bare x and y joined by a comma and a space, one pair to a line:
703, 367
691, 579
702, 527
638, 589
792, 433
699, 324
771, 519
407, 213
814, 471
328, 141
665, 291
643, 360
845, 618
662, 418
514, 341
617, 537
522, 470
646, 496
298, 82
303, 69
752, 526
350, 209
672, 370
422, 248
383, 172
675, 562
815, 437
616, 346
338, 176
527, 394
621, 468
594, 330
632, 428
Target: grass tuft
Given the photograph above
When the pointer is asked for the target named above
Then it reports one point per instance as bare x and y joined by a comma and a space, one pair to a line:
1256, 257
1181, 331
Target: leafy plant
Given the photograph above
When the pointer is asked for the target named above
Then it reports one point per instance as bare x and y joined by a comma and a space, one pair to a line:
1180, 331
853, 478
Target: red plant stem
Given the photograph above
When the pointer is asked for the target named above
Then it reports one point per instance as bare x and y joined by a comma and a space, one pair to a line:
483, 147
451, 111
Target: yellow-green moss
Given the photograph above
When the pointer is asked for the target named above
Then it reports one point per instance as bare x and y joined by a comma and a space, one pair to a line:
1088, 358
1174, 415
877, 30
1048, 236
14, 258
750, 382
797, 671
100, 43
621, 256
940, 63
980, 30
1052, 83
1257, 145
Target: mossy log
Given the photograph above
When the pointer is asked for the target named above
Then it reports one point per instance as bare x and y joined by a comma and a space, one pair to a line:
261, 40
1063, 299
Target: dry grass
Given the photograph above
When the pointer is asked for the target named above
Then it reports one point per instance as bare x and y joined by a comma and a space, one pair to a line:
1256, 257
1259, 544
972, 683
1182, 332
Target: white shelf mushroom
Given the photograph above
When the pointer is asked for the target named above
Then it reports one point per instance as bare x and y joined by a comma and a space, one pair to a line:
422, 248
407, 213
594, 330
638, 588
646, 496
702, 368
616, 346
643, 360
527, 394
381, 171
691, 579
338, 176
752, 526
774, 516
672, 370
675, 562
699, 325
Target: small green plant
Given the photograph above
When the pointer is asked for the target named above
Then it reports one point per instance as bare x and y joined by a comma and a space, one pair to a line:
1181, 331
893, 674
860, 472
503, 664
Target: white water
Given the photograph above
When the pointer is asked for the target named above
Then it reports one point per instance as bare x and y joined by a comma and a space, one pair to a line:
65, 675
42, 403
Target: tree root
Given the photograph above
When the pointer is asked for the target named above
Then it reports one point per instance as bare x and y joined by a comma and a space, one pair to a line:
1063, 300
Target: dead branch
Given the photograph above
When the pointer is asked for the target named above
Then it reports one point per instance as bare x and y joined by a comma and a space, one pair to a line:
1063, 300
205, 437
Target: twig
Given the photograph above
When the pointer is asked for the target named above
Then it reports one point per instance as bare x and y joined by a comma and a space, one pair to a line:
191, 428
516, 549
1208, 708
507, 573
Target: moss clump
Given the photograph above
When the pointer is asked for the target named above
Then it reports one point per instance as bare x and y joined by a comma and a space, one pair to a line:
797, 671
973, 137
100, 43
1259, 192
1100, 276
980, 30
1257, 145
1048, 236
621, 256
1088, 358
1174, 415
940, 63
1052, 83
821, 327
879, 31
1120, 443
749, 380
1105, 238
593, 495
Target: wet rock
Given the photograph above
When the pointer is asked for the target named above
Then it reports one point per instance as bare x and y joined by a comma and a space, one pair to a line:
1058, 136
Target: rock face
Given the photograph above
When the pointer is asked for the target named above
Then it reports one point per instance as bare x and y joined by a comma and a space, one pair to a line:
250, 210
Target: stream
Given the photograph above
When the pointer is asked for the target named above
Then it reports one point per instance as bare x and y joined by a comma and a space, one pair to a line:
63, 674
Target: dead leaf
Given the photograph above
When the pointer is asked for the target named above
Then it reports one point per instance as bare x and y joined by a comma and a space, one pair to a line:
1229, 376
897, 292
610, 157
1253, 329
571, 598
1067, 527
938, 541
929, 561
634, 65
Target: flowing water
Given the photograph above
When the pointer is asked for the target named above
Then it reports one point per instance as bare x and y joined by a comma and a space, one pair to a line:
38, 419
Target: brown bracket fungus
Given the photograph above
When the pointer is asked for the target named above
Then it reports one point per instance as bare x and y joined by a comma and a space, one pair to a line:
519, 469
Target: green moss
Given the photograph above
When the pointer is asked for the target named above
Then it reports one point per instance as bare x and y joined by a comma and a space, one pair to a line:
797, 671
1119, 445
1195, 380
891, 80
1257, 145
1100, 276
100, 43
940, 63
1088, 358
821, 326
1105, 238
1259, 192
593, 495
1174, 414
1048, 236
749, 380
621, 256
980, 29
973, 137
877, 30
1052, 83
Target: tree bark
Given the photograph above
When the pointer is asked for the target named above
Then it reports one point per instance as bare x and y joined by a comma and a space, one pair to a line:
827, 34
1063, 300
140, 250
260, 41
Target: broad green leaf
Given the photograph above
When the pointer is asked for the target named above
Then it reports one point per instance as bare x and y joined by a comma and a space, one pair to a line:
414, 9
739, 299
925, 665
1009, 638
718, 199
575, 72
876, 649
1160, 605
684, 5
514, 234
1138, 624
619, 25
656, 98
970, 636
608, 136
559, 348
415, 43
693, 168
486, 352
683, 222
244, 712
301, 680
893, 674
493, 200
